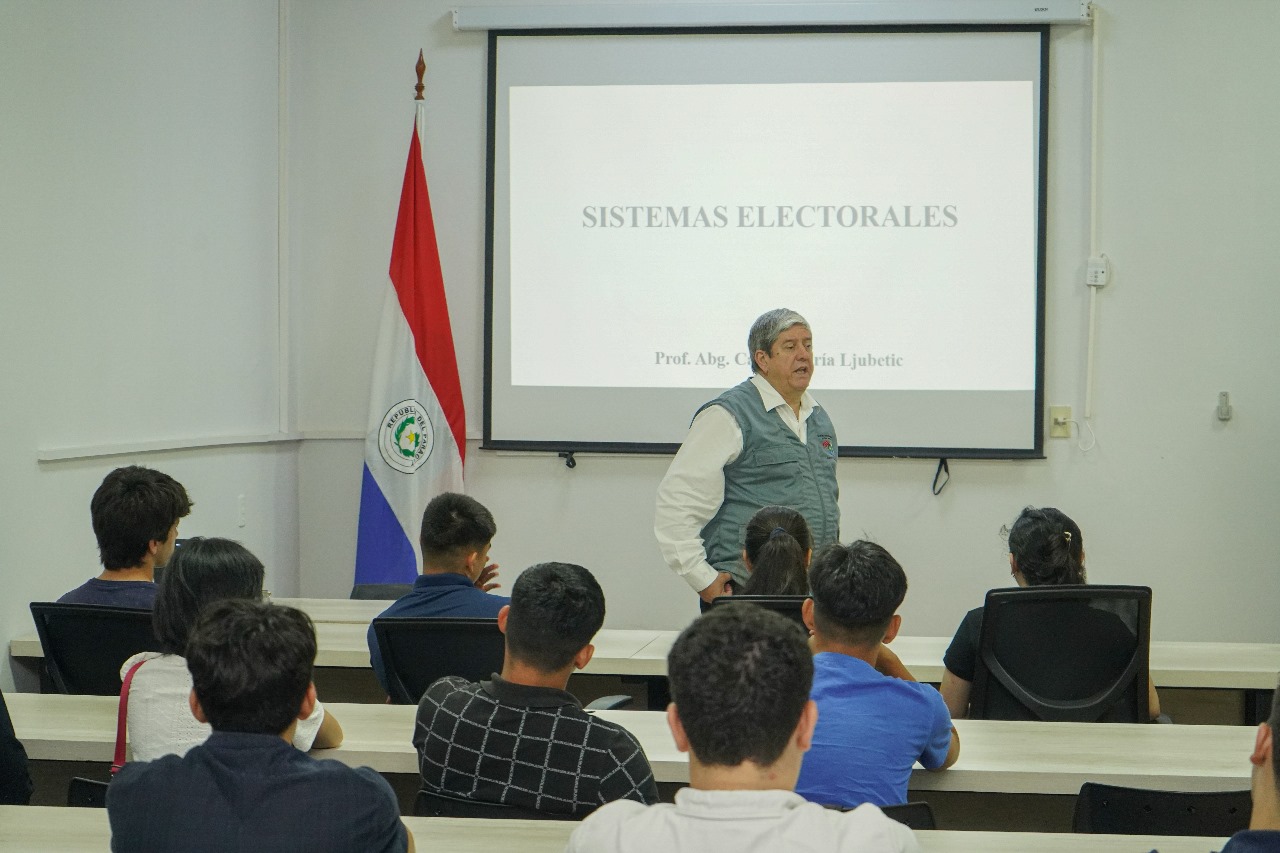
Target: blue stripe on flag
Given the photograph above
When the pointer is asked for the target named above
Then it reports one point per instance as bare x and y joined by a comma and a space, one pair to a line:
384, 553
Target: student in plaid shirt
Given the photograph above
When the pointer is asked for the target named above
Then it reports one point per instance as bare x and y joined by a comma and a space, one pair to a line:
520, 738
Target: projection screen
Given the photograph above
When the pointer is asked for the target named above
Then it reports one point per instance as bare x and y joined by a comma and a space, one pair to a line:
652, 192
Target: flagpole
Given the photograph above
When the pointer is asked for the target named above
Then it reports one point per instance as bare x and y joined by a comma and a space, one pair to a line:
419, 101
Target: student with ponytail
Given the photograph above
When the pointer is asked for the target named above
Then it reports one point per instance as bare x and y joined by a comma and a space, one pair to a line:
1046, 548
777, 546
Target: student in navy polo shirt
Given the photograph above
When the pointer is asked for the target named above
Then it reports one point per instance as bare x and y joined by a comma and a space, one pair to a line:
456, 573
135, 513
247, 788
872, 726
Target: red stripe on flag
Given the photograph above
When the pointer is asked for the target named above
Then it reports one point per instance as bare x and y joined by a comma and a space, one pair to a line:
415, 274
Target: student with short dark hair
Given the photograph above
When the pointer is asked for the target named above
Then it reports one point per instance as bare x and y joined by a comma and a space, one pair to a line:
520, 738
247, 788
740, 679
135, 515
872, 728
202, 572
1263, 834
456, 534
776, 550
1046, 548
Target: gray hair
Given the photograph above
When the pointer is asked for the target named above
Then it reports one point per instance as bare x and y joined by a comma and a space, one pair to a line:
766, 330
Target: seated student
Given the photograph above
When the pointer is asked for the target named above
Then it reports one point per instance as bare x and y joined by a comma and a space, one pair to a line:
15, 778
740, 679
872, 728
1046, 548
520, 738
246, 787
456, 573
1263, 834
776, 549
135, 518
159, 715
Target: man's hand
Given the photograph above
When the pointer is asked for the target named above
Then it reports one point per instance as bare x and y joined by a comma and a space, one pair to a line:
722, 585
486, 581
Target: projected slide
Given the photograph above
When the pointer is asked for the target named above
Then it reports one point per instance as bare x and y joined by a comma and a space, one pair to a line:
650, 223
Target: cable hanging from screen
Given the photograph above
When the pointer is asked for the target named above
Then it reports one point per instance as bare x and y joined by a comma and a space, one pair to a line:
943, 469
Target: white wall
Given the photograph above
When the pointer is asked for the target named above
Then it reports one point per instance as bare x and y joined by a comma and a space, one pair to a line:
1169, 497
138, 282
139, 302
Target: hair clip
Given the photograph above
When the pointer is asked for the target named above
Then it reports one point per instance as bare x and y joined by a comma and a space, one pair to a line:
1067, 533
777, 531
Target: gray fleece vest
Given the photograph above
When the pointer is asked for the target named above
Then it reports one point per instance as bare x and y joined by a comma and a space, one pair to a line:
774, 468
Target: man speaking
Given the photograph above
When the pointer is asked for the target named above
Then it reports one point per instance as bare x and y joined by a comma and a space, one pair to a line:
760, 443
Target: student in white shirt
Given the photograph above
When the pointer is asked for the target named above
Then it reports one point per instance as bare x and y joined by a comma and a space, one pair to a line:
160, 723
740, 679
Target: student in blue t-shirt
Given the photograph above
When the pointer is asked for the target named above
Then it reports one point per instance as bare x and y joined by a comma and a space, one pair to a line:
872, 727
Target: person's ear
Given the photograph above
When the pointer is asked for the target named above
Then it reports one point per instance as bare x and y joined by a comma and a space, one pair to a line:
1261, 746
677, 728
502, 617
196, 710
806, 613
759, 357
746, 561
1013, 565
808, 557
583, 657
804, 728
308, 702
895, 625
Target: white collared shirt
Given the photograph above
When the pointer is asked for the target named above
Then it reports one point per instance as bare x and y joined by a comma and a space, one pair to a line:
739, 822
691, 492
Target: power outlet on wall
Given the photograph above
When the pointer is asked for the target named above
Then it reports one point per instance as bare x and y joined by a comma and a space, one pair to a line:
1059, 422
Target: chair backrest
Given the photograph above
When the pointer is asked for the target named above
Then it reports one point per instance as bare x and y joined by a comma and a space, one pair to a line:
1073, 653
430, 804
418, 650
915, 815
380, 591
87, 793
787, 605
85, 644
1137, 811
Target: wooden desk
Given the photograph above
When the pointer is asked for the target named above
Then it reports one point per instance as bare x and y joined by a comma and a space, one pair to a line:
341, 626
44, 829
1200, 682
1234, 666
345, 645
995, 756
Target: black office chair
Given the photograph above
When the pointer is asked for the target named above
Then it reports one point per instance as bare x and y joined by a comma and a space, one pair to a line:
418, 650
85, 644
1135, 811
915, 815
380, 591
787, 605
430, 804
1064, 653
87, 793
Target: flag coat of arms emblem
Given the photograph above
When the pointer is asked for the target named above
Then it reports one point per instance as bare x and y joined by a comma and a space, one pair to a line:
416, 437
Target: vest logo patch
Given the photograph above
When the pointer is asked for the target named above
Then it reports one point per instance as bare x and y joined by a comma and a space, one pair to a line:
406, 437
829, 446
